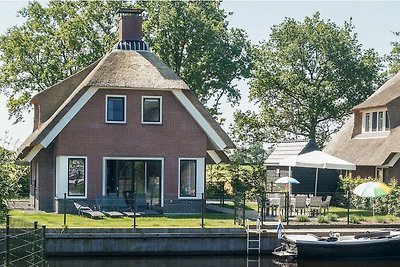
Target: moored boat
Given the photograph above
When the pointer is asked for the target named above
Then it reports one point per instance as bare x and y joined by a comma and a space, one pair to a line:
377, 245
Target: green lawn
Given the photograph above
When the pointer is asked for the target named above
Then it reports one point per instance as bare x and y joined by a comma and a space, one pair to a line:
52, 220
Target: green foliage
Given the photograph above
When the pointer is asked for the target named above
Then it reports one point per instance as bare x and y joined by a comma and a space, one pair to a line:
253, 154
193, 38
217, 181
323, 219
393, 59
10, 176
55, 41
332, 217
306, 78
380, 219
302, 218
354, 219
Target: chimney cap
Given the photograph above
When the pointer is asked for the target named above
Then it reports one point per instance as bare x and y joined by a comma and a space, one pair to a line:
137, 11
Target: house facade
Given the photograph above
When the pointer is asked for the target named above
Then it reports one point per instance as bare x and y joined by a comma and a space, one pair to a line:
370, 137
125, 124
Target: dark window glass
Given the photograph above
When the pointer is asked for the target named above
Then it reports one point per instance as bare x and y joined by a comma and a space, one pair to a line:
116, 109
387, 125
151, 110
187, 181
76, 177
380, 121
374, 121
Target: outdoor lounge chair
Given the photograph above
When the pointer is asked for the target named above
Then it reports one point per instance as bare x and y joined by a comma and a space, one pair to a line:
121, 206
84, 210
325, 204
315, 205
300, 204
106, 206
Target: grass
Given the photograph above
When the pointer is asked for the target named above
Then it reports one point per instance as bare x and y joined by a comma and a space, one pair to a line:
52, 220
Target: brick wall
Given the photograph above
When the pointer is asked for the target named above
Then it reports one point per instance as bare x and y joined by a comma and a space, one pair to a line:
88, 135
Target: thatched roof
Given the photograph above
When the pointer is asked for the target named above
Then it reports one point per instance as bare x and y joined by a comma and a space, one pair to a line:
362, 149
386, 93
289, 149
118, 69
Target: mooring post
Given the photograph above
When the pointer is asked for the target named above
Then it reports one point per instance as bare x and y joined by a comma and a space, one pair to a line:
348, 205
244, 210
134, 210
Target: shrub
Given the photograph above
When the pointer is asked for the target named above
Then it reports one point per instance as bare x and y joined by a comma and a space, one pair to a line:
332, 217
302, 218
322, 219
355, 219
380, 219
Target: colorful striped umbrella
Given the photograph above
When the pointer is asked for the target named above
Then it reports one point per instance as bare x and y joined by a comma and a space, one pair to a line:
371, 189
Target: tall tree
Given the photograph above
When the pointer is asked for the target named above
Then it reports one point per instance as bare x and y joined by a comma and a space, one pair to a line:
63, 37
55, 41
306, 78
193, 38
393, 59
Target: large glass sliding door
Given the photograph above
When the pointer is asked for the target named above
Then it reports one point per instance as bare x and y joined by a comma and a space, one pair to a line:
124, 177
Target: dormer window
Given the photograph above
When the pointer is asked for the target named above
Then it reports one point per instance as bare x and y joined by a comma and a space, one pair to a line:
375, 121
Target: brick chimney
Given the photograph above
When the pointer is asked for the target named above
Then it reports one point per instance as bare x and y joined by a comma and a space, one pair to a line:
130, 34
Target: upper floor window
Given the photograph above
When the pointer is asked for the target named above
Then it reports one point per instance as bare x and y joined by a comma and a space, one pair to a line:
376, 121
152, 109
115, 109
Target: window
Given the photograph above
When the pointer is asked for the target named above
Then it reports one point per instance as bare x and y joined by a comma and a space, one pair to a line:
76, 176
152, 109
382, 174
377, 121
115, 110
187, 178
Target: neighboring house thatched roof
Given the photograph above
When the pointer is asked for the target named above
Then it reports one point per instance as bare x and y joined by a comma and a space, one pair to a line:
118, 69
289, 149
385, 94
362, 150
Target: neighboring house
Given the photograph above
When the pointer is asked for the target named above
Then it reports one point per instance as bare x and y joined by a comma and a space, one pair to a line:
328, 179
126, 123
371, 137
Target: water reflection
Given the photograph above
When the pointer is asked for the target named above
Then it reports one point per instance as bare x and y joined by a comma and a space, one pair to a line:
207, 261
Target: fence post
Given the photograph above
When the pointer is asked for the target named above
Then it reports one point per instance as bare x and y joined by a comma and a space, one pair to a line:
35, 239
65, 210
348, 205
8, 240
244, 210
202, 209
235, 205
287, 203
134, 210
44, 245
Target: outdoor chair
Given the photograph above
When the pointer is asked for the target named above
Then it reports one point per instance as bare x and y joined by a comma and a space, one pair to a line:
300, 204
121, 206
282, 205
315, 205
106, 206
325, 204
84, 210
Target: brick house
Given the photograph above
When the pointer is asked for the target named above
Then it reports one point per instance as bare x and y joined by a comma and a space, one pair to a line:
126, 123
370, 138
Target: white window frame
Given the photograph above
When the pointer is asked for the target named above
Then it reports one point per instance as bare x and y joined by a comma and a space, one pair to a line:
385, 128
106, 109
200, 177
62, 176
161, 110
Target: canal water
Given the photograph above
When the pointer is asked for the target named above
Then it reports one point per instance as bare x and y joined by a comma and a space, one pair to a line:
208, 261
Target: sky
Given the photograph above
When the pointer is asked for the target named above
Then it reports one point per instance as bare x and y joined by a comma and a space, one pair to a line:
374, 23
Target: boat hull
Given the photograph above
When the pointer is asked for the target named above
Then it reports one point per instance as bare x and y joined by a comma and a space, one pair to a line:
388, 247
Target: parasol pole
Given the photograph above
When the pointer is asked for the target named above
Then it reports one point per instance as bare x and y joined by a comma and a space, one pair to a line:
316, 181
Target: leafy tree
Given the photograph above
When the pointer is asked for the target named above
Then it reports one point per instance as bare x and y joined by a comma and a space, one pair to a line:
192, 37
306, 78
253, 154
63, 37
11, 176
393, 59
55, 41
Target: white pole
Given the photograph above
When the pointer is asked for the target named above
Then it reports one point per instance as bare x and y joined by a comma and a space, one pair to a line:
316, 182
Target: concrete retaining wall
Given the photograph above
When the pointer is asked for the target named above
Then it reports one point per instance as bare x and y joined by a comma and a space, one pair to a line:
105, 242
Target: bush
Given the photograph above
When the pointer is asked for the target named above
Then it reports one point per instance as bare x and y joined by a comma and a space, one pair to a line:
380, 219
355, 219
322, 219
302, 218
332, 217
